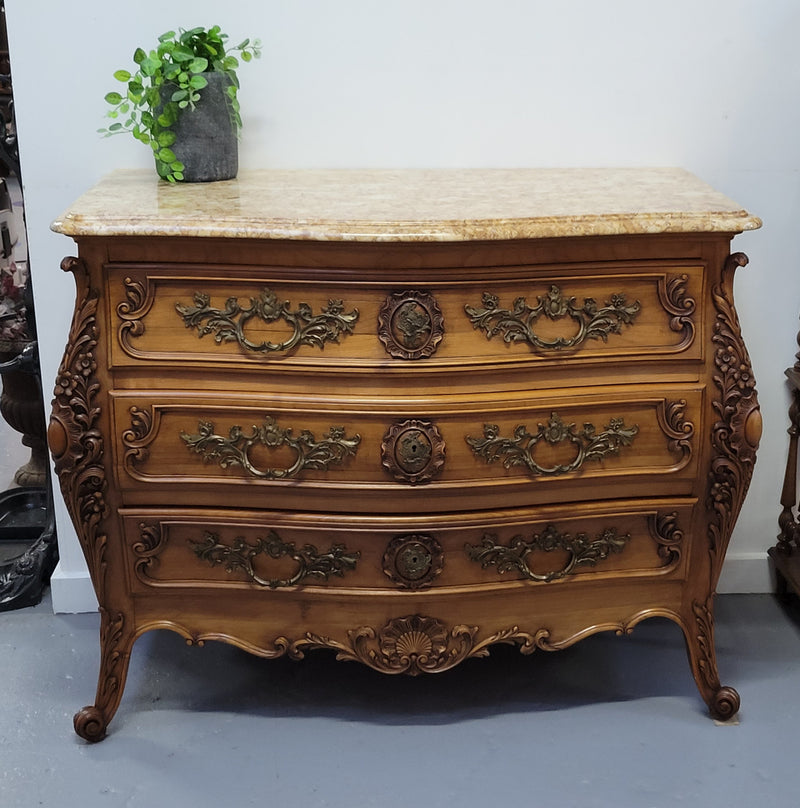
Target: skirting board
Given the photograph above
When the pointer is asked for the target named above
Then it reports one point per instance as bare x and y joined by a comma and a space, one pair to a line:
742, 573
746, 573
72, 592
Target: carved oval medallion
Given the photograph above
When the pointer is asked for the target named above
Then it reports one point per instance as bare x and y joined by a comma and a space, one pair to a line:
413, 560
753, 426
57, 438
410, 325
413, 451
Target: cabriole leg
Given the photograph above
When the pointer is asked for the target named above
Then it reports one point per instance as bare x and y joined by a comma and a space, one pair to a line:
116, 641
723, 701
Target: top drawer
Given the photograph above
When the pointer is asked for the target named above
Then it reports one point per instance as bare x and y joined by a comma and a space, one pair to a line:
322, 321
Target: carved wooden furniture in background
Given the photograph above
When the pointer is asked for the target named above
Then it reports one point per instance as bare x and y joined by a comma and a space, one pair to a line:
404, 416
785, 554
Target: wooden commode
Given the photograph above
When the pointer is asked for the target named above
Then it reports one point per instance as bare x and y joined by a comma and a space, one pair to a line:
404, 415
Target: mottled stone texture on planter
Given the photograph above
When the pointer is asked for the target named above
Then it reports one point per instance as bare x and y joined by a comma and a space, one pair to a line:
206, 135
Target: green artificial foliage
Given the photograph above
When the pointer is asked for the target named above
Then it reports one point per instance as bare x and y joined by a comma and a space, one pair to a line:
179, 62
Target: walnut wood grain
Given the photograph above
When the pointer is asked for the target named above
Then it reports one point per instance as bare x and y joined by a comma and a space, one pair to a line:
624, 430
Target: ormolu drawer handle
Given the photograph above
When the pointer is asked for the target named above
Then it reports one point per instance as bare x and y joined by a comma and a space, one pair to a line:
310, 562
234, 450
519, 450
228, 324
512, 557
517, 324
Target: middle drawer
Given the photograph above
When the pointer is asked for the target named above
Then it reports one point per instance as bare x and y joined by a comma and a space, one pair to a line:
411, 456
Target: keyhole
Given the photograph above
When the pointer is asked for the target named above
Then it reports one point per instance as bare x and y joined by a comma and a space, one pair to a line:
413, 562
413, 451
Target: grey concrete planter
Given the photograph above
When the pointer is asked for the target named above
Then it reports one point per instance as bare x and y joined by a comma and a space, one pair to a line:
206, 135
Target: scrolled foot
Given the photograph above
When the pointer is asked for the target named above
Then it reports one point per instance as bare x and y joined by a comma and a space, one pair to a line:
725, 704
90, 724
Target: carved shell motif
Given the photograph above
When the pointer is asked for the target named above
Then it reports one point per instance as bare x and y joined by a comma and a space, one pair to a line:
417, 644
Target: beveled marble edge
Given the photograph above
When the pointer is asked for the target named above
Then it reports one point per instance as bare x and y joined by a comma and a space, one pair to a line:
482, 230
407, 205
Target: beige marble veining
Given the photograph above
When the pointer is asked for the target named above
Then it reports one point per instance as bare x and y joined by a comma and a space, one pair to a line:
407, 205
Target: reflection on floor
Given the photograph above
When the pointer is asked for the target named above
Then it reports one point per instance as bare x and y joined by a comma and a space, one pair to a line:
611, 721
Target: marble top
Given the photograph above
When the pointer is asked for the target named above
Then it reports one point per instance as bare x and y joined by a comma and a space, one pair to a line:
407, 205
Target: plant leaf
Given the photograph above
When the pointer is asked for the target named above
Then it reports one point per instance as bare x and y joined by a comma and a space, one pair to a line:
182, 54
122, 75
113, 98
198, 65
150, 65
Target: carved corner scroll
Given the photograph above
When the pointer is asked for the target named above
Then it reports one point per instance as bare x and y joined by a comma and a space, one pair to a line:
413, 451
139, 297
229, 324
240, 555
679, 431
234, 450
417, 644
517, 324
586, 443
410, 325
668, 535
512, 557
138, 436
672, 293
152, 540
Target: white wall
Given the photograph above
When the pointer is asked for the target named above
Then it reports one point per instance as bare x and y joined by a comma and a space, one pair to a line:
710, 85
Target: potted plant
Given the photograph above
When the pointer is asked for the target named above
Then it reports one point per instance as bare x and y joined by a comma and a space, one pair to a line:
181, 100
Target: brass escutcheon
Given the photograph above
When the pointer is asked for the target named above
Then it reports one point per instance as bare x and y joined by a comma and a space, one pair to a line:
413, 451
410, 325
413, 560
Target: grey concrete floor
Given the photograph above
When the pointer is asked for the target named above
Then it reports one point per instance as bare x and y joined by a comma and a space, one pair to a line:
612, 721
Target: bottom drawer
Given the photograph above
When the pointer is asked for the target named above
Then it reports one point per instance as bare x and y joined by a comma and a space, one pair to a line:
276, 551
